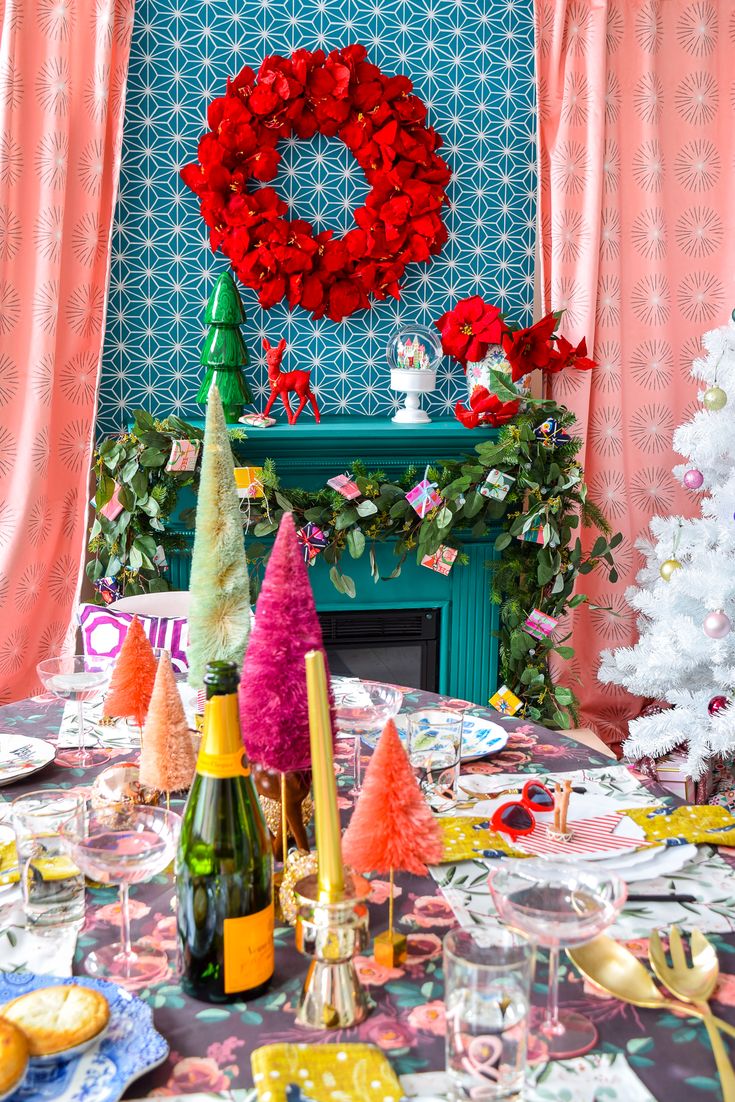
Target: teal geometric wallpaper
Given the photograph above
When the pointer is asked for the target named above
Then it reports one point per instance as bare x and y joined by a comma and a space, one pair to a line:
472, 64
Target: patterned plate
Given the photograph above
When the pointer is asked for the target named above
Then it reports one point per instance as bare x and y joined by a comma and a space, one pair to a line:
130, 1047
480, 736
20, 756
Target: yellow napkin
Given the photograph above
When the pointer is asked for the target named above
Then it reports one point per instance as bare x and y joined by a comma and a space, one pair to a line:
703, 824
324, 1073
8, 861
465, 837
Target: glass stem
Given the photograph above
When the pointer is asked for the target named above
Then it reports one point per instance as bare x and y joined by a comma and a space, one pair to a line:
552, 1024
80, 710
358, 763
126, 947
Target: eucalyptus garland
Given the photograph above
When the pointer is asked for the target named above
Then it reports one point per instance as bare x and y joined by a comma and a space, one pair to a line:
548, 500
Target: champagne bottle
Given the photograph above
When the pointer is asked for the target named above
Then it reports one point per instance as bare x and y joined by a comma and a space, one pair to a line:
224, 862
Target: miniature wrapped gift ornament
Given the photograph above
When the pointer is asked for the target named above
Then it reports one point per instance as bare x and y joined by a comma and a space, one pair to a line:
112, 509
423, 497
497, 485
344, 484
312, 541
249, 481
184, 455
442, 560
539, 625
550, 433
505, 702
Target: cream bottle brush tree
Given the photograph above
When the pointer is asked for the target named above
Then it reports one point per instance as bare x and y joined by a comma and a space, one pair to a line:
685, 597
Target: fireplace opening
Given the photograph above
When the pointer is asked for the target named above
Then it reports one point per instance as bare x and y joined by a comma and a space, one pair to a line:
400, 646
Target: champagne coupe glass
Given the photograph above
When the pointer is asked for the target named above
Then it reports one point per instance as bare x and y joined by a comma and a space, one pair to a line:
559, 905
84, 679
362, 709
124, 844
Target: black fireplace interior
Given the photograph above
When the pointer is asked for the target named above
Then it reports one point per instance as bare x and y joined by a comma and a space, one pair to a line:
400, 646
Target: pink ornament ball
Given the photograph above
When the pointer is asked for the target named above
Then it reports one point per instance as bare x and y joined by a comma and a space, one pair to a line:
716, 624
716, 704
693, 479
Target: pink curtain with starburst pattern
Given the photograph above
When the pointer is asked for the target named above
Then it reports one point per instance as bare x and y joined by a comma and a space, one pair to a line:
636, 148
63, 71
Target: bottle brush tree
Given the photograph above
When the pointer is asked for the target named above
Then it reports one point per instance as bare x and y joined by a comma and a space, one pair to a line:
219, 611
224, 353
167, 757
132, 679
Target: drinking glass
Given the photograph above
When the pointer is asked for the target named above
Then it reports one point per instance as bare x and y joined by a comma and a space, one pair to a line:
362, 709
487, 984
52, 885
124, 844
434, 749
559, 905
81, 678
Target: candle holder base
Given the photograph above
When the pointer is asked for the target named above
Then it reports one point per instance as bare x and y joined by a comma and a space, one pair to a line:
390, 949
332, 933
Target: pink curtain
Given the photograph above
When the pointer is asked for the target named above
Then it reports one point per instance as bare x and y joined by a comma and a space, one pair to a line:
636, 147
63, 70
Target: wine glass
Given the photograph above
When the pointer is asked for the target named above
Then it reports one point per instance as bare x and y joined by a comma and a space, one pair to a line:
82, 678
559, 905
124, 844
362, 709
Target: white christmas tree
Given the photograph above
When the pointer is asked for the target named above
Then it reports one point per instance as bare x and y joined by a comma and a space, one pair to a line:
685, 597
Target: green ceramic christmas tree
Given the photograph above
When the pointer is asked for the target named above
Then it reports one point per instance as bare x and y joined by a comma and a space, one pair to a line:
219, 609
224, 353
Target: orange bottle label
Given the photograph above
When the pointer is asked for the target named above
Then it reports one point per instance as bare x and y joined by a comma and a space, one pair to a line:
223, 765
249, 957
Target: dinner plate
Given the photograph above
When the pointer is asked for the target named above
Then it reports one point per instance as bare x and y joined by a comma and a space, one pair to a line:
130, 1047
480, 737
668, 860
20, 756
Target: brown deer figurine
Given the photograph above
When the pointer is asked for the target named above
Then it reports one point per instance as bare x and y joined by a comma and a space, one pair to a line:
286, 382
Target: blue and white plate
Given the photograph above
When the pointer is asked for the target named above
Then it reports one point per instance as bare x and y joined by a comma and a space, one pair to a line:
130, 1047
480, 736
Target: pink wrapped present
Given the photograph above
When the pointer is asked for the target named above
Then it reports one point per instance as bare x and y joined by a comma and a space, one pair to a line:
442, 560
539, 625
344, 485
184, 455
114, 506
423, 497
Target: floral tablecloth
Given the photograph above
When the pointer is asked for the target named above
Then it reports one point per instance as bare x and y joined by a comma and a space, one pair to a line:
210, 1046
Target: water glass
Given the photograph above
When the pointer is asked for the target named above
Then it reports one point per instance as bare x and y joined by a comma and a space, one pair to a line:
434, 749
52, 885
487, 987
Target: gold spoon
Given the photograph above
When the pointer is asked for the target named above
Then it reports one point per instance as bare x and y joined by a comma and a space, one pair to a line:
611, 966
694, 984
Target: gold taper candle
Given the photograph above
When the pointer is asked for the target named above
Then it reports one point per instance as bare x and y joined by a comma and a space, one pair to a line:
331, 876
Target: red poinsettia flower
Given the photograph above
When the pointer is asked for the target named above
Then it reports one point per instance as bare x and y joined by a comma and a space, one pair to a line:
566, 355
470, 328
485, 409
530, 349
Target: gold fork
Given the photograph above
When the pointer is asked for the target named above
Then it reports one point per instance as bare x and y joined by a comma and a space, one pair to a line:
694, 983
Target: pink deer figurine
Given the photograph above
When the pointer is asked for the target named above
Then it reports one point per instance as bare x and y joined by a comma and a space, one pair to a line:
284, 382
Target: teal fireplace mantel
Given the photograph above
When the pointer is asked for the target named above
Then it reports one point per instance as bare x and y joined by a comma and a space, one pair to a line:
307, 454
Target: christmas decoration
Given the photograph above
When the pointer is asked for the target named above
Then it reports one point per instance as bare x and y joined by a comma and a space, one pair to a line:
550, 434
273, 705
111, 511
714, 398
716, 704
258, 421
219, 612
693, 479
668, 567
249, 481
505, 702
392, 827
539, 625
184, 455
716, 624
224, 353
108, 589
442, 560
132, 679
167, 756
287, 382
497, 485
381, 122
312, 541
675, 660
486, 409
423, 497
345, 485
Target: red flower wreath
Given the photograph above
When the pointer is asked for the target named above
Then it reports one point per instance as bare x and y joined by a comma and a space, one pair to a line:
379, 119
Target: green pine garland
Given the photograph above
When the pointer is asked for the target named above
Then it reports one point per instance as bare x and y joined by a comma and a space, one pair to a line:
549, 493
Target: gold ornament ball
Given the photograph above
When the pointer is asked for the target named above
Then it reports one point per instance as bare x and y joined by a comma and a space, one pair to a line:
715, 398
668, 568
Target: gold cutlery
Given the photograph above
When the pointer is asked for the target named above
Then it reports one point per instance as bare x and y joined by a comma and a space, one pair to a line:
694, 983
611, 966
